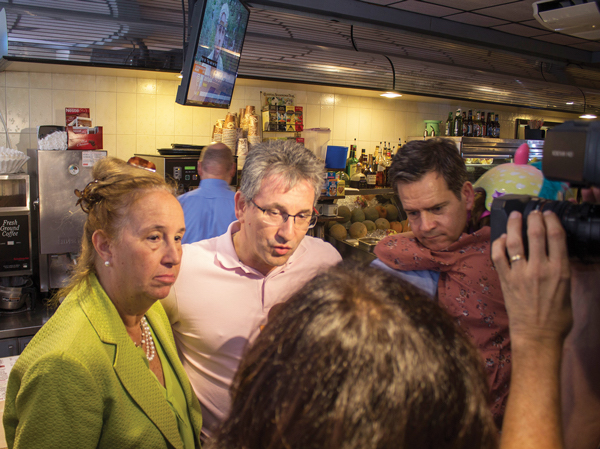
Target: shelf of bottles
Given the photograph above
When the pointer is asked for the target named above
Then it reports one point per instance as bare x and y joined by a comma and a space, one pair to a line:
369, 171
469, 125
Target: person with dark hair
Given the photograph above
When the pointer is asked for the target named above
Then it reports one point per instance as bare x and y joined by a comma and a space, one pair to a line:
229, 283
104, 371
446, 255
210, 209
359, 359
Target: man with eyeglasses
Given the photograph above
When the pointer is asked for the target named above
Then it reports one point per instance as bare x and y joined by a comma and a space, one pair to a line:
228, 284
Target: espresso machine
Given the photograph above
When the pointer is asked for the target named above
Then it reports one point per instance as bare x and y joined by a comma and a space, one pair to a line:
57, 223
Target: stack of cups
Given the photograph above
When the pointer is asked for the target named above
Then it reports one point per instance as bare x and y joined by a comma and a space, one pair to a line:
230, 134
253, 126
218, 131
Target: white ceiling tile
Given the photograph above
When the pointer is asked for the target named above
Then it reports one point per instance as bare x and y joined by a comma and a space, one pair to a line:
469, 5
513, 12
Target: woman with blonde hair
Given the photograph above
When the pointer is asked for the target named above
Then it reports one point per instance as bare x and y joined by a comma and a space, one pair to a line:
104, 372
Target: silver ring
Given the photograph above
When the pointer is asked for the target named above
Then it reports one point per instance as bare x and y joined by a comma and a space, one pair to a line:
515, 258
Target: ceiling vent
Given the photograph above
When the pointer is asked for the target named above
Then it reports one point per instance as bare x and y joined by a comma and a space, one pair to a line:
575, 18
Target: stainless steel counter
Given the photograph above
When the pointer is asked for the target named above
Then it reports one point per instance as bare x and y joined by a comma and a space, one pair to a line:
348, 251
23, 324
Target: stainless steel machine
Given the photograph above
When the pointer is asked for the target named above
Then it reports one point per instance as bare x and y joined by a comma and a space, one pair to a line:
57, 223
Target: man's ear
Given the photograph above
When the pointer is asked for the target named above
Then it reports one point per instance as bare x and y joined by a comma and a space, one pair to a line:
468, 194
200, 170
240, 206
102, 244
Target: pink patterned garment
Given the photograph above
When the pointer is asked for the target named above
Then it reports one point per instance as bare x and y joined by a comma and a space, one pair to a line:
469, 289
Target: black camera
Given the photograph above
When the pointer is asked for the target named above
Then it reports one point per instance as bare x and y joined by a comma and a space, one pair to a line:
571, 154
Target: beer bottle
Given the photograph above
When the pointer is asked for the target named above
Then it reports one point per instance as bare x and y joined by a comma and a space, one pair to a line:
371, 174
490, 124
464, 123
483, 125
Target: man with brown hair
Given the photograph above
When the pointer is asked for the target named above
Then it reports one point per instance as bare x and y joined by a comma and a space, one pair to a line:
448, 260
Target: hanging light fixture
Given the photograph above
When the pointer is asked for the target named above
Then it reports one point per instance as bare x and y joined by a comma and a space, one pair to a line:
585, 116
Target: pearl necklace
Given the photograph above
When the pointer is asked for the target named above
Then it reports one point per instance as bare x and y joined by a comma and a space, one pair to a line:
147, 340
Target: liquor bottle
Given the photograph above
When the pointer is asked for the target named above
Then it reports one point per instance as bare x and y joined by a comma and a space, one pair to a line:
449, 127
371, 174
458, 125
477, 125
464, 123
362, 162
352, 163
496, 127
353, 147
470, 124
490, 124
483, 125
380, 180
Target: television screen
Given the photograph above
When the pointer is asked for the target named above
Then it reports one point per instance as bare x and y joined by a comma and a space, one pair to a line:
211, 62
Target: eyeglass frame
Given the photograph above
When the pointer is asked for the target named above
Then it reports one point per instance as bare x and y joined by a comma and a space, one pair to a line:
314, 217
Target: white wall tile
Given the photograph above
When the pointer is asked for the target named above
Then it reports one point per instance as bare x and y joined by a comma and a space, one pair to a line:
183, 122
167, 87
3, 79
353, 101
312, 116
146, 144
146, 86
165, 116
40, 103
164, 141
17, 106
126, 115
366, 103
106, 83
201, 123
109, 143
313, 97
106, 112
146, 115
126, 146
17, 79
340, 122
326, 118
364, 124
352, 124
40, 80
126, 85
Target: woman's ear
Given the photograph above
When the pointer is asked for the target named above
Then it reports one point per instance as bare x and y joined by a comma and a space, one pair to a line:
102, 245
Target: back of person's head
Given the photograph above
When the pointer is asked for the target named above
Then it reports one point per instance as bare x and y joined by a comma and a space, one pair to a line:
291, 162
106, 201
358, 359
420, 157
217, 161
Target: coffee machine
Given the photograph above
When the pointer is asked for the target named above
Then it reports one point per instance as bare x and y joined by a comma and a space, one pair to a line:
57, 222
16, 286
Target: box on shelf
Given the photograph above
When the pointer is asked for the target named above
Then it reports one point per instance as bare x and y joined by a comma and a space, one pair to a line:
84, 138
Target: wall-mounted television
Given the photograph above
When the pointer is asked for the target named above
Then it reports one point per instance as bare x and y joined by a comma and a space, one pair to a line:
212, 58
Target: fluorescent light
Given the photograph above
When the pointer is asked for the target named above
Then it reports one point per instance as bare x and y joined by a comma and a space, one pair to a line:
571, 102
180, 75
391, 95
588, 116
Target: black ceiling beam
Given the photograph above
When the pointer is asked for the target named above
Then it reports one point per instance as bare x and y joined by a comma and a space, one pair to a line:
360, 13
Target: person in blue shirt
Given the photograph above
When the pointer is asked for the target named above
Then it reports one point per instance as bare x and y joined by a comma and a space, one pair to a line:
210, 209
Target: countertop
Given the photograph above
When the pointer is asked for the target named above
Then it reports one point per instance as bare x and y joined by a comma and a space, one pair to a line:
23, 324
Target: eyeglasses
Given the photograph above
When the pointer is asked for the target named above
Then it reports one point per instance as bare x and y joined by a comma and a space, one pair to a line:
275, 217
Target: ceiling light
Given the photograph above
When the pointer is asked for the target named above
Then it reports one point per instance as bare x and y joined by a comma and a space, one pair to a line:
390, 95
588, 116
570, 102
180, 75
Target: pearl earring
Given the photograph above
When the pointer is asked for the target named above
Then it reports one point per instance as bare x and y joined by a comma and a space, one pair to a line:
106, 263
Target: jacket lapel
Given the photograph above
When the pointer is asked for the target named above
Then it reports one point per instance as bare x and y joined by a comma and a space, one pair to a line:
162, 328
133, 373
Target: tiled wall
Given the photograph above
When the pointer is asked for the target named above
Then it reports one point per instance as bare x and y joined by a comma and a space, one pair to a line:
140, 115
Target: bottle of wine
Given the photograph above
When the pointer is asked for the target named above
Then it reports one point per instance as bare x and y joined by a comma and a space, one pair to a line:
449, 128
490, 124
483, 125
477, 125
464, 124
380, 180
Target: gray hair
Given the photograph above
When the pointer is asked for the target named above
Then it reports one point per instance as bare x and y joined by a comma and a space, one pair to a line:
288, 159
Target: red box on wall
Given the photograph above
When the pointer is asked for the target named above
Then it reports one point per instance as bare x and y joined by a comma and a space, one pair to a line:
84, 138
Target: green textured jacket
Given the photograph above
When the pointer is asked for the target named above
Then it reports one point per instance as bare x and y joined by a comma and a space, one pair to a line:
81, 382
